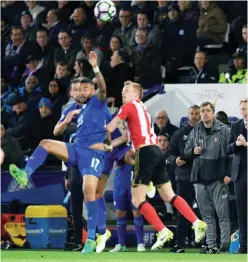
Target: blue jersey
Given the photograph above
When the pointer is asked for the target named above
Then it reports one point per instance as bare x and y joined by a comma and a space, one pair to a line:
71, 107
91, 123
123, 176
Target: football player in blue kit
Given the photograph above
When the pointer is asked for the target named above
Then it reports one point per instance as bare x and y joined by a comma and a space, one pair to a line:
123, 203
87, 152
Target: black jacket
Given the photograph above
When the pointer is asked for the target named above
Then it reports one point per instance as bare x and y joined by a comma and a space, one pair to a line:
168, 130
12, 152
211, 165
176, 149
207, 75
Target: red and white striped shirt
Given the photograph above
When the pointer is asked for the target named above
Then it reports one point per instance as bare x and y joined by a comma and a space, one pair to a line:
139, 123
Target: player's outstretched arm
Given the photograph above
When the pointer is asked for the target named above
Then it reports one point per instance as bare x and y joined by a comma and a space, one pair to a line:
119, 141
101, 84
116, 122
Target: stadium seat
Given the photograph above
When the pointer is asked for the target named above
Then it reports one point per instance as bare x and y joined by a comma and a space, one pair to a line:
184, 120
232, 119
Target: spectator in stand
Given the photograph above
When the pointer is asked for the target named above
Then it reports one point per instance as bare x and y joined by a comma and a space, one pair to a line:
4, 35
27, 25
16, 52
12, 151
65, 9
103, 34
53, 25
57, 98
179, 43
11, 10
63, 75
184, 188
46, 122
212, 24
66, 52
45, 49
88, 45
146, 60
72, 93
154, 33
83, 68
202, 72
163, 125
81, 24
21, 122
125, 31
207, 146
223, 118
34, 66
140, 6
161, 14
238, 146
34, 8
189, 12
31, 92
120, 72
7, 94
236, 73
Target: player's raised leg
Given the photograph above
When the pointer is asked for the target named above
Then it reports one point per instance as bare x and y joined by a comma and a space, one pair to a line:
167, 194
46, 146
103, 233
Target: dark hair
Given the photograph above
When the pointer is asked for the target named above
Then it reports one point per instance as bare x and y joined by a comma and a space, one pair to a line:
119, 39
61, 63
15, 27
58, 83
73, 81
64, 32
142, 29
161, 133
86, 80
244, 26
42, 29
126, 9
124, 55
87, 67
202, 52
194, 107
208, 104
222, 117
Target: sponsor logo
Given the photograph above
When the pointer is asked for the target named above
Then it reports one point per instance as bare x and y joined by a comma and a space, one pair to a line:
34, 231
57, 231
14, 186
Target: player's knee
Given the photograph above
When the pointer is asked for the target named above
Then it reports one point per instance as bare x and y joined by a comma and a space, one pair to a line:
89, 194
46, 144
120, 213
136, 213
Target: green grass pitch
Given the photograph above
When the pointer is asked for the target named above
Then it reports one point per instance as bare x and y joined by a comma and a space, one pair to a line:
60, 256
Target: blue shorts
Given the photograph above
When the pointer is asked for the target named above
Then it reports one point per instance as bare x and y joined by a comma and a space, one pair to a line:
123, 200
116, 155
89, 161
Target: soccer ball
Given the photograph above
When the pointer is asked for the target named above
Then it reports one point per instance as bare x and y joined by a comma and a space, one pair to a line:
105, 10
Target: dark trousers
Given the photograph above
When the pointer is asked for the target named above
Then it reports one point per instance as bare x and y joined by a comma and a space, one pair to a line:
77, 209
185, 190
240, 189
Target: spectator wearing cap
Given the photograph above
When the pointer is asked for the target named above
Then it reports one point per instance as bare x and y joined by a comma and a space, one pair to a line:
66, 52
202, 72
45, 49
179, 43
212, 24
162, 124
21, 122
146, 60
189, 11
34, 66
12, 151
53, 25
154, 33
57, 97
183, 167
236, 73
46, 122
15, 53
88, 45
161, 13
31, 92
28, 26
126, 29
119, 73
80, 25
34, 8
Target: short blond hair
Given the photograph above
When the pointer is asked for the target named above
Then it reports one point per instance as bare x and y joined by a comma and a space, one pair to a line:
136, 86
243, 100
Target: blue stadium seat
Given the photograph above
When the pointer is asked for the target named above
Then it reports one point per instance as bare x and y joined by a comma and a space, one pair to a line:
184, 121
232, 119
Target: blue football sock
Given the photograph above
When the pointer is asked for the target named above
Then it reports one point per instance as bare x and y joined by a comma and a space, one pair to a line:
121, 230
101, 216
139, 229
36, 160
92, 218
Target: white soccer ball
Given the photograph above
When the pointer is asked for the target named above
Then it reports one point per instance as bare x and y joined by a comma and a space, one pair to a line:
105, 10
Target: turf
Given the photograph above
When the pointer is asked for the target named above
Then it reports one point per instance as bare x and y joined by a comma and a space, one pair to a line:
60, 256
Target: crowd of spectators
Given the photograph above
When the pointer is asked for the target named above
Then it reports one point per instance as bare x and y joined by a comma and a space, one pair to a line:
46, 44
